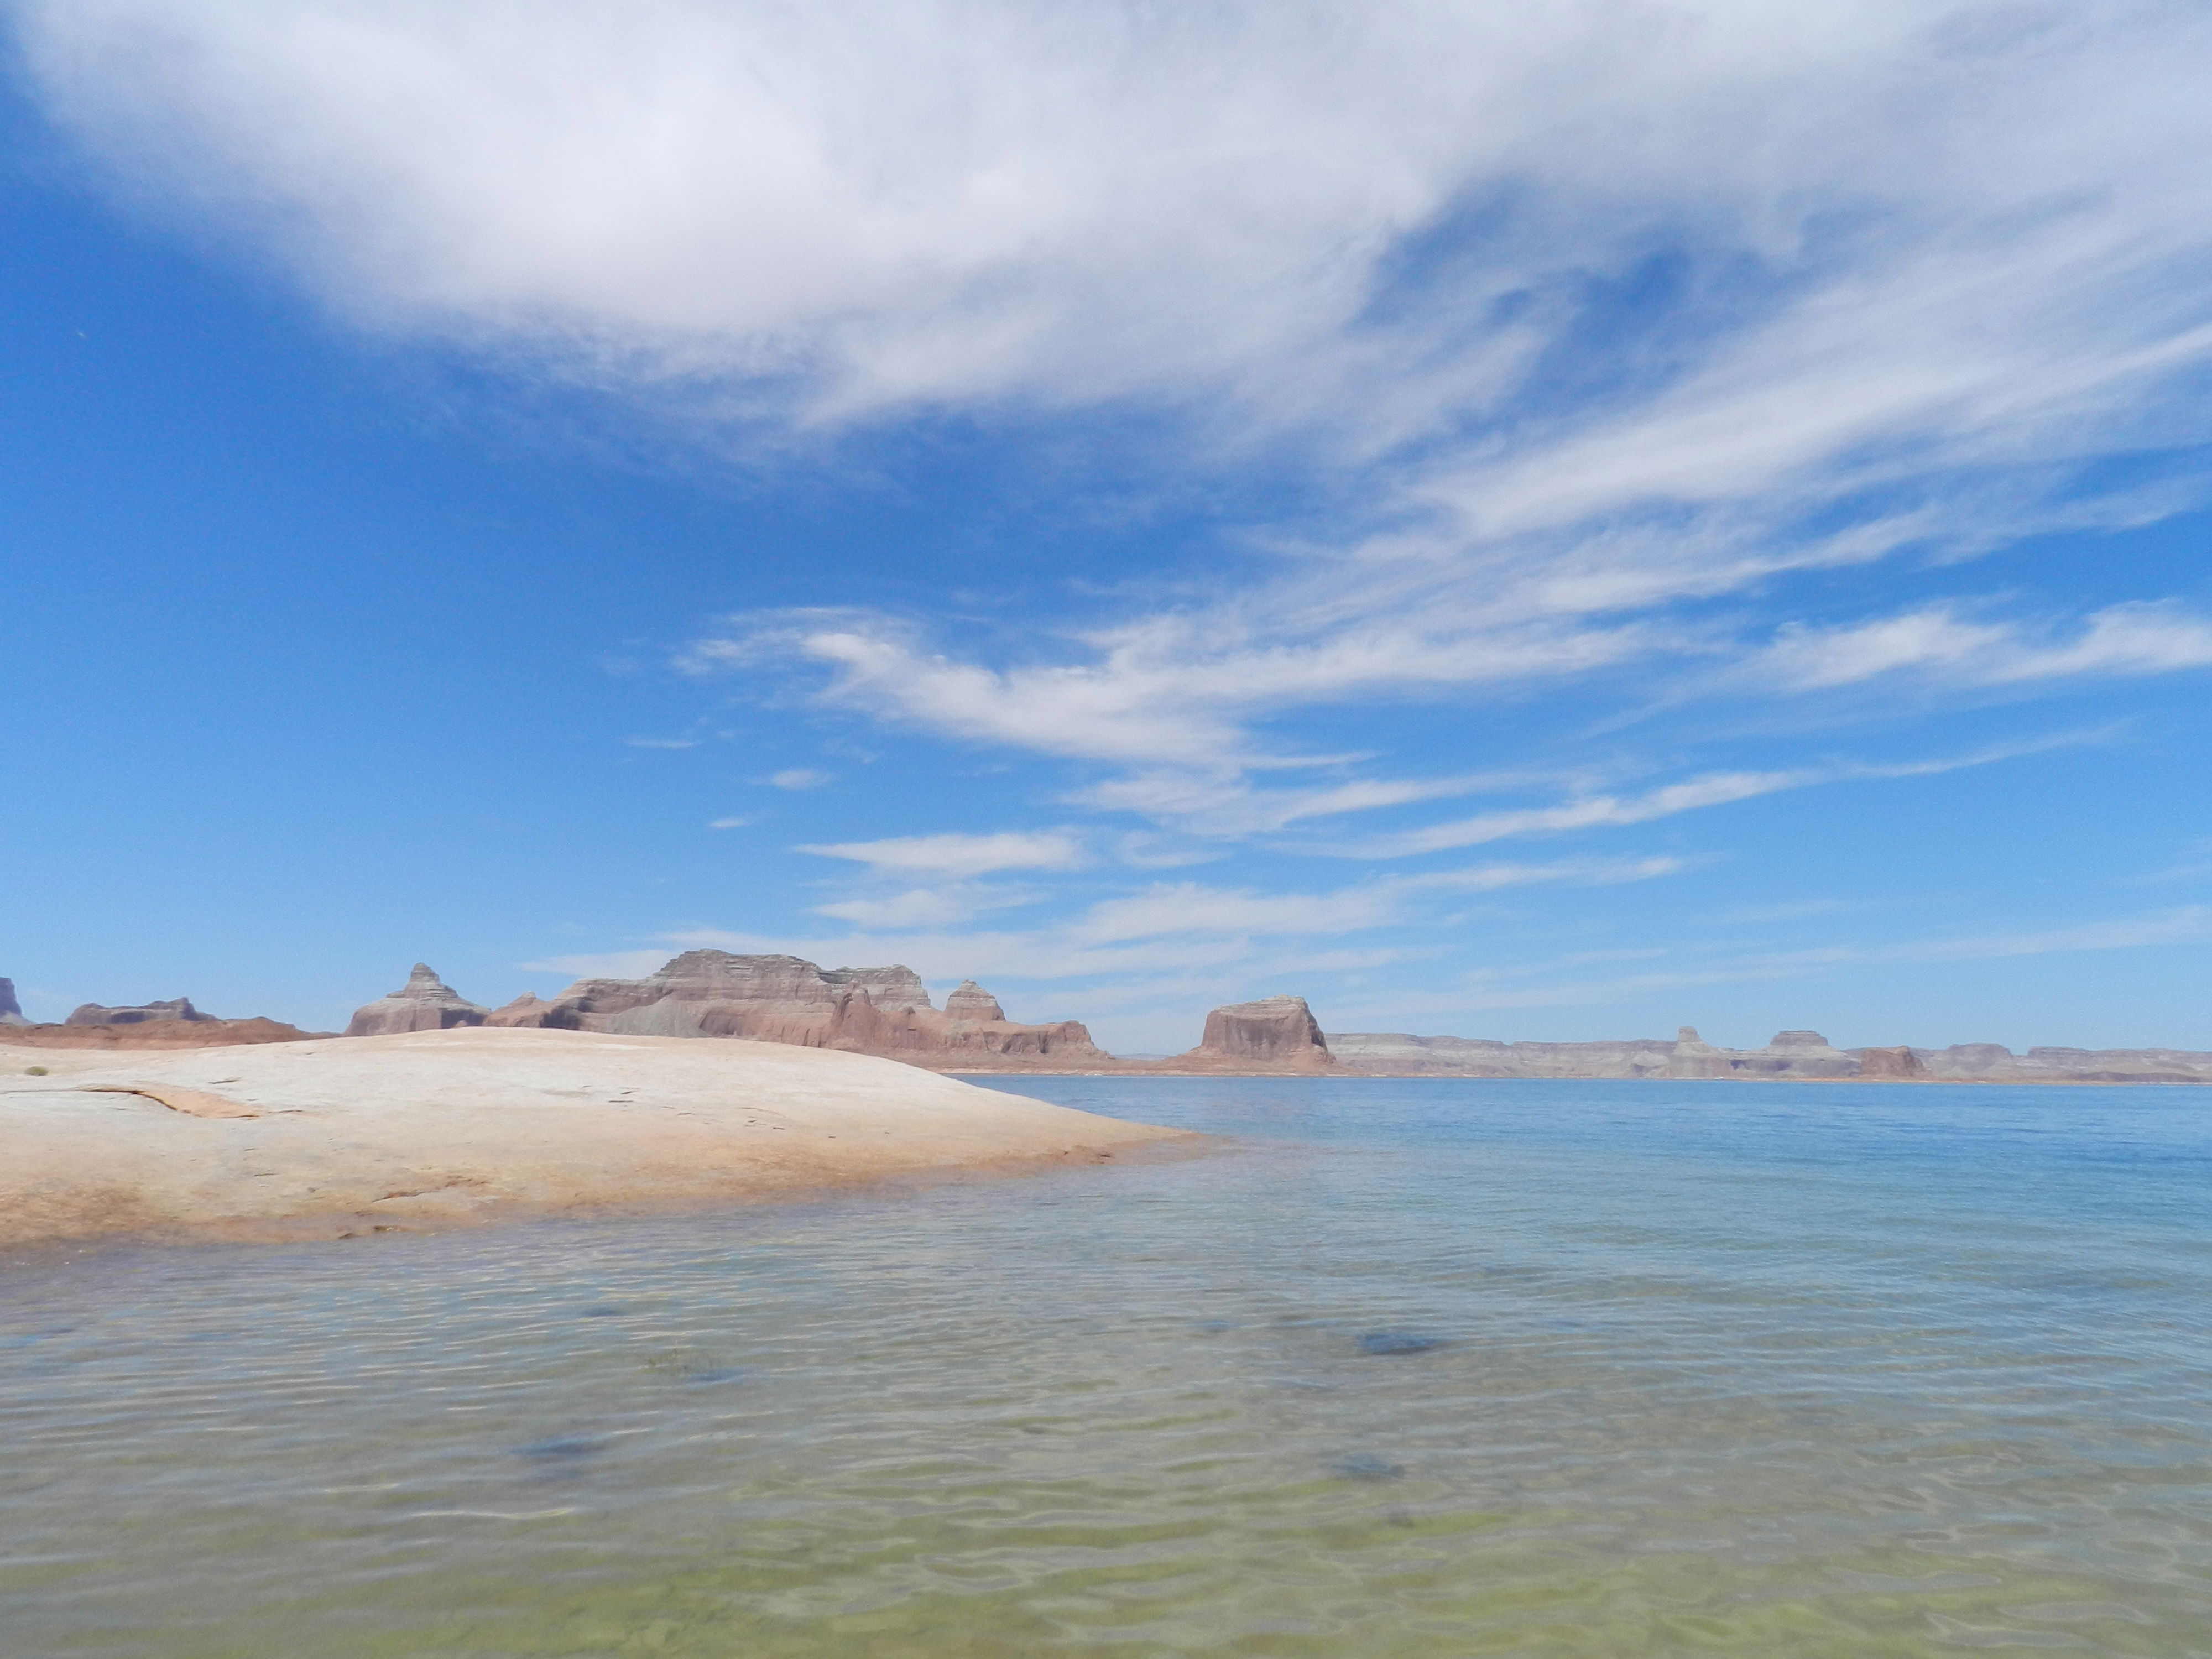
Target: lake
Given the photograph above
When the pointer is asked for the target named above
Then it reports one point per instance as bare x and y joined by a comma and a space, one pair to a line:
1408, 1368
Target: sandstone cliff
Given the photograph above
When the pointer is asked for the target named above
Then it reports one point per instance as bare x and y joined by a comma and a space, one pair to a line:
775, 999
425, 1003
11, 1011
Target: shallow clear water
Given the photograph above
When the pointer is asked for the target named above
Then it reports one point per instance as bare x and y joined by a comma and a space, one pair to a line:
1423, 1368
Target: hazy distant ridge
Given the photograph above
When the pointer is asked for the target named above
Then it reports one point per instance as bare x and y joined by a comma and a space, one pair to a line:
1789, 1054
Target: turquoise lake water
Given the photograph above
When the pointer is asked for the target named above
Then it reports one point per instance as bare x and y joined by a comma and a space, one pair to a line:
1411, 1368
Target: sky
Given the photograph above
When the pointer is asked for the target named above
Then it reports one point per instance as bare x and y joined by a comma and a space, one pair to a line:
1547, 523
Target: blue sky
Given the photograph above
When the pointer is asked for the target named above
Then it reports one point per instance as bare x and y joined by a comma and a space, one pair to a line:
1538, 524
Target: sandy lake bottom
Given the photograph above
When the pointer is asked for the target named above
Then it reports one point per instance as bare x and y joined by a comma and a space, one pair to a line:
1428, 1368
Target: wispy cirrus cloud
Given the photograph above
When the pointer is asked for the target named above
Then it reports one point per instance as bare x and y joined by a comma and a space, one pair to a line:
1941, 643
961, 855
1192, 907
1537, 985
1588, 314
1612, 811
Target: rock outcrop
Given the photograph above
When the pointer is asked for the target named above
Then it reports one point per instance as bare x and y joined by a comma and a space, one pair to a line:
425, 1003
775, 999
11, 1011
92, 1013
1273, 1034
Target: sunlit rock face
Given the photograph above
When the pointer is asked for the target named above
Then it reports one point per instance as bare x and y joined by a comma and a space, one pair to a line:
425, 1003
778, 999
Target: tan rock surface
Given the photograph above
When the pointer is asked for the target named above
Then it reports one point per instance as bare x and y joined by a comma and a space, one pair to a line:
441, 1128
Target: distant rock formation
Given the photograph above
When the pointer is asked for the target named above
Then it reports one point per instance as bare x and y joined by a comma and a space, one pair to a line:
11, 1011
775, 999
1788, 1055
1991, 1062
1274, 1033
202, 1032
425, 1003
1400, 1055
92, 1013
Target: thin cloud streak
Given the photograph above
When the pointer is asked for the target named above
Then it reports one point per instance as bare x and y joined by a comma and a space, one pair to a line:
1693, 794
1937, 641
2187, 925
962, 854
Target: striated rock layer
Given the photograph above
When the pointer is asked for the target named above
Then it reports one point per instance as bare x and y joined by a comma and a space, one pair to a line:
11, 1011
776, 999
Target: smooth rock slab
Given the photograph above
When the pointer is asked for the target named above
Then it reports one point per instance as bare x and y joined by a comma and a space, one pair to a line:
339, 1137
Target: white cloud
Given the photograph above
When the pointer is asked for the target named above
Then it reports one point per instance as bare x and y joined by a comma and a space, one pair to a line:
798, 777
1903, 269
959, 855
925, 907
1189, 908
729, 823
1692, 794
1215, 803
1939, 642
663, 743
2188, 925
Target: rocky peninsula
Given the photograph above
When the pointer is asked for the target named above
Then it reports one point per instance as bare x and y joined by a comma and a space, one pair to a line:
339, 1137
